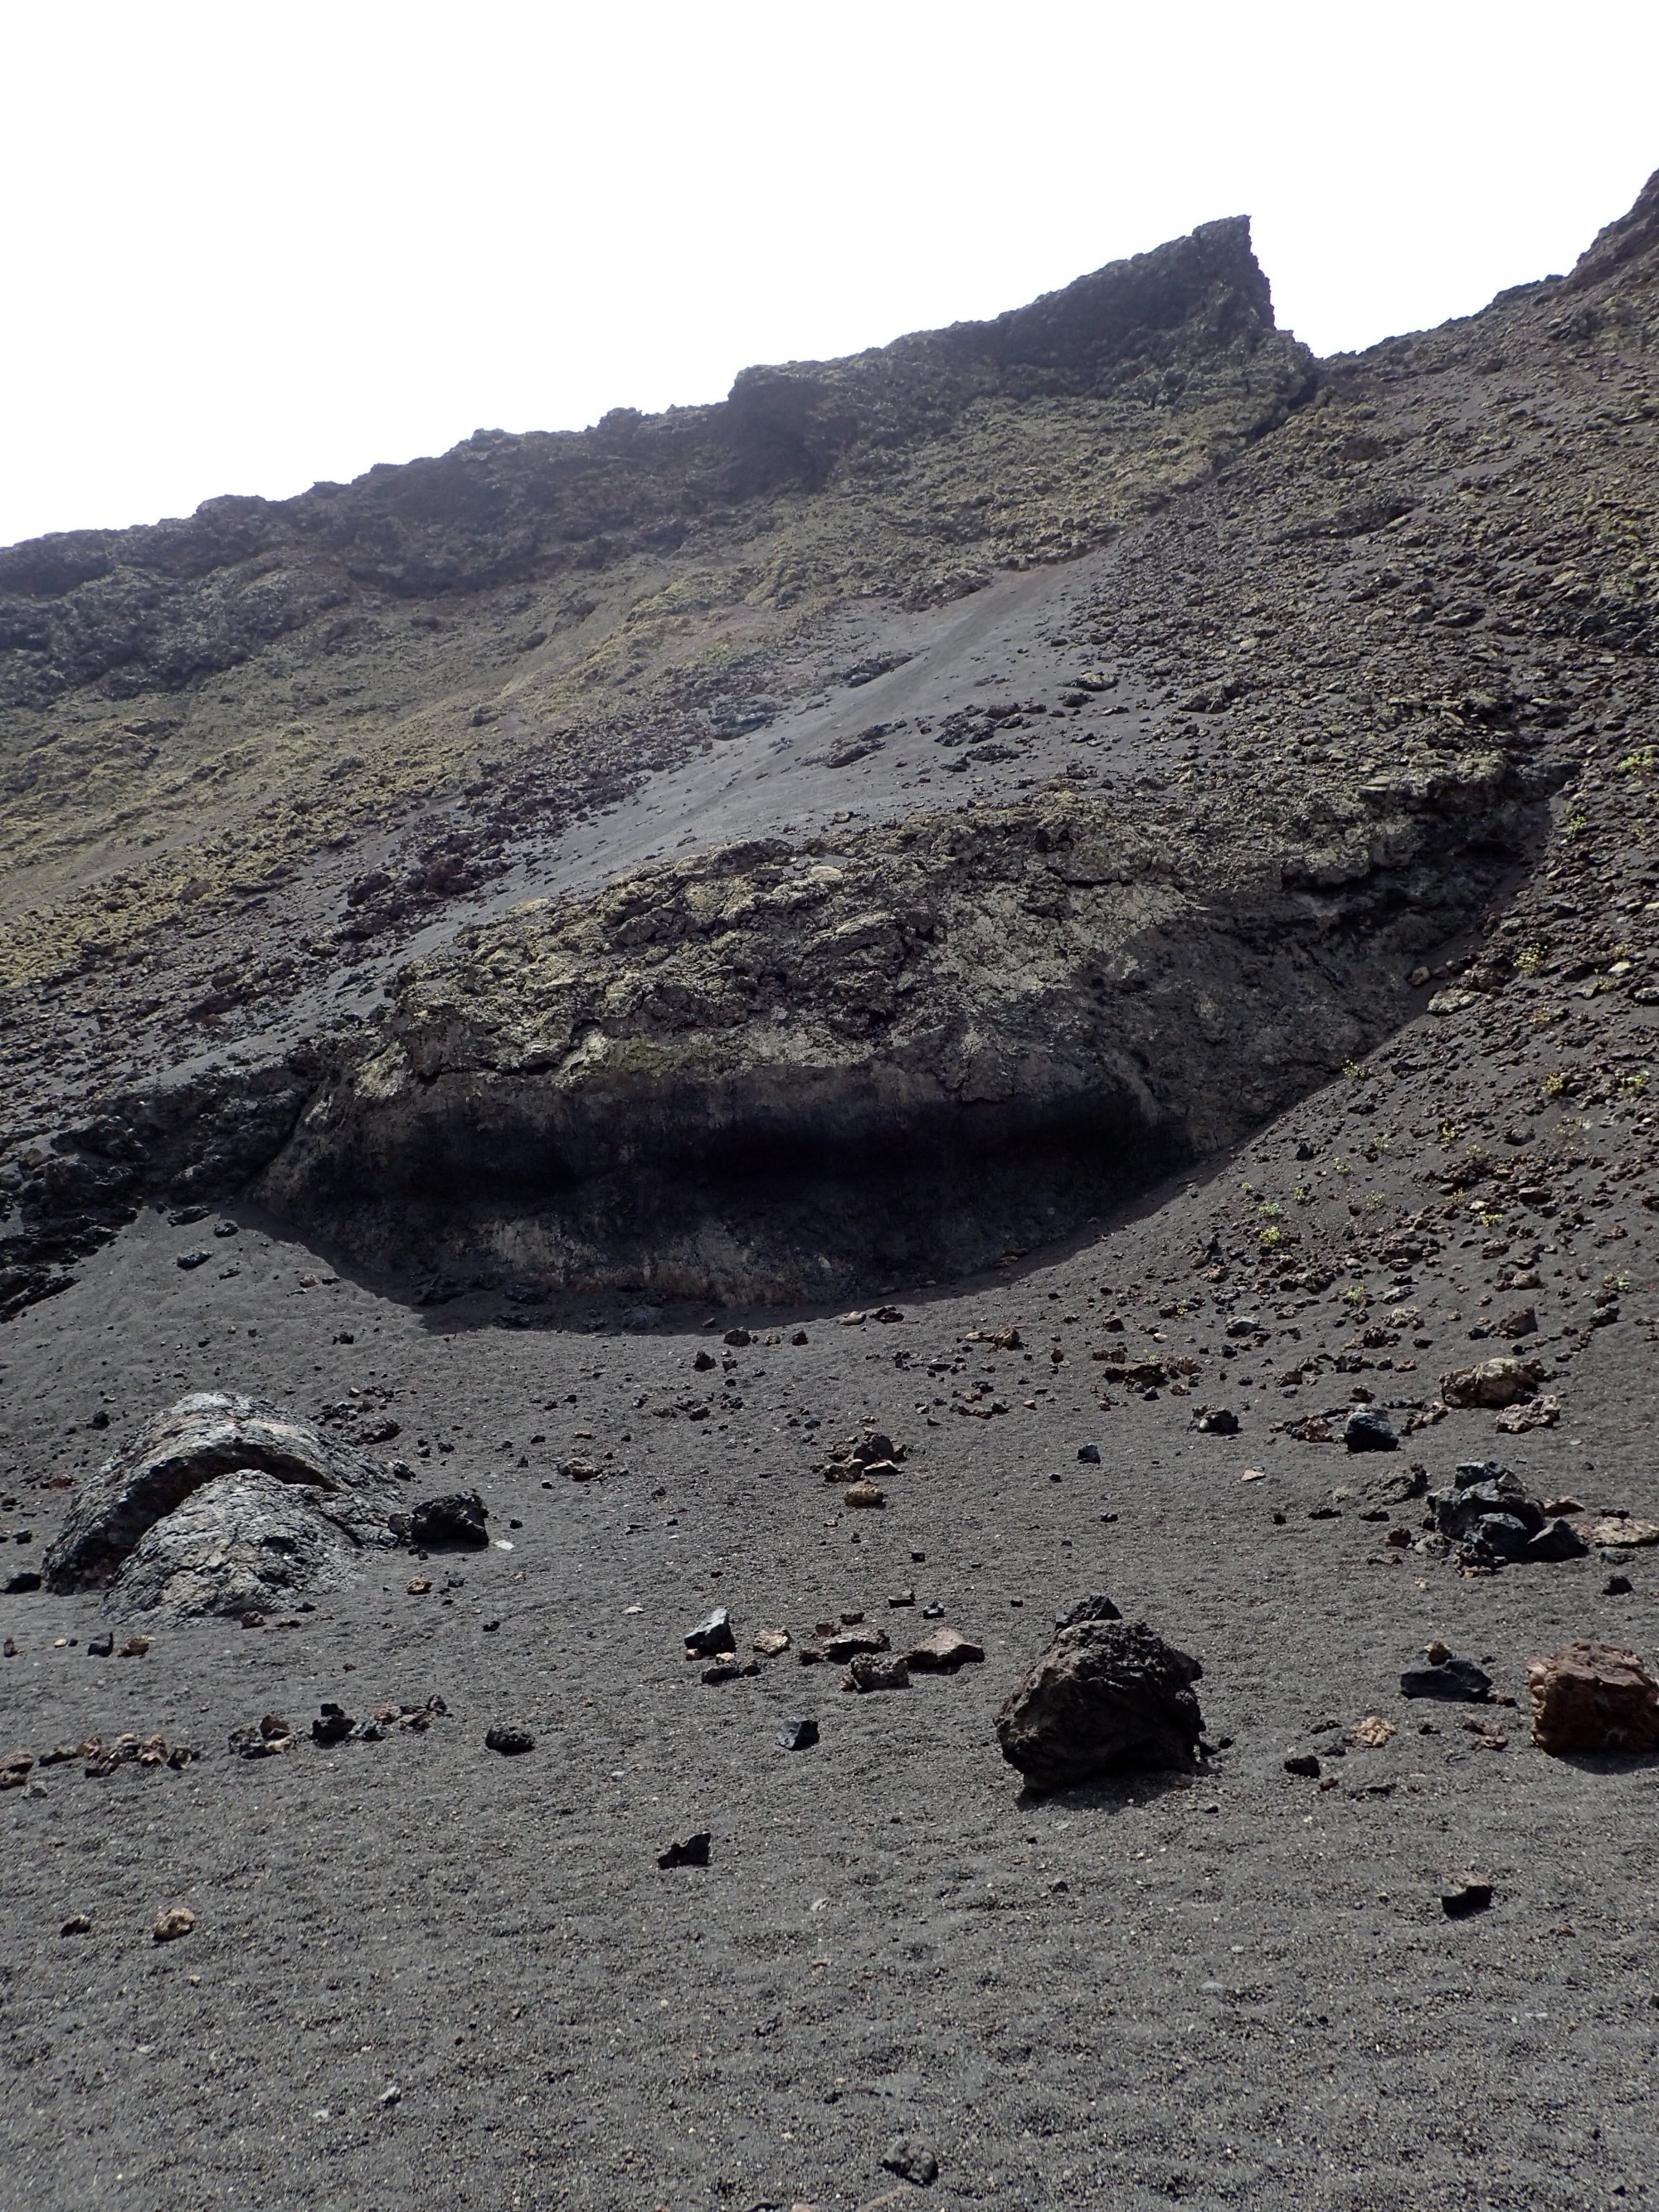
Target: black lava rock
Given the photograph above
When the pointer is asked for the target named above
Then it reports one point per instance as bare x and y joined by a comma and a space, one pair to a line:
1557, 1539
455, 1521
712, 1635
1468, 1897
691, 1851
798, 1734
511, 1742
912, 2160
1503, 1536
1105, 1697
1368, 1428
19, 1585
1458, 1680
332, 1724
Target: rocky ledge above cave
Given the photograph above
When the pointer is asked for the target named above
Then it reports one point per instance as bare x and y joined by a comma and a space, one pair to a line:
769, 1072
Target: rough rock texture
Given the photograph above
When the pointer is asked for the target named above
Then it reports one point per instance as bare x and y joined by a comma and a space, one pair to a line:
1106, 1696
1592, 1697
943, 1652
1493, 1382
1187, 328
526, 1984
1361, 618
222, 1505
748, 1073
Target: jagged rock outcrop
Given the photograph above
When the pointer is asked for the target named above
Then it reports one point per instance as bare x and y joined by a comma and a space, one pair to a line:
223, 1505
153, 608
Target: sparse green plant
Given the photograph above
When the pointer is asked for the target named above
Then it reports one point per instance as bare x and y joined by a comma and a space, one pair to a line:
1302, 1193
1554, 1083
1342, 1167
1375, 1201
1545, 1015
1491, 1218
1577, 824
1633, 1085
1355, 1070
1619, 1283
1530, 959
1355, 1294
1642, 762
1449, 1133
1269, 1235
1248, 1189
1271, 1207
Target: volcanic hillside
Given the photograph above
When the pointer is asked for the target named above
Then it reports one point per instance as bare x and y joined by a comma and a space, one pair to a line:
1055, 922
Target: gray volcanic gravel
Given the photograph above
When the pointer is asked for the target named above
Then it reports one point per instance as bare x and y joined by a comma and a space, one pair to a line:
418, 1966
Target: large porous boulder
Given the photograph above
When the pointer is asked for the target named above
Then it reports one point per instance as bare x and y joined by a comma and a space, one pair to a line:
1105, 1696
223, 1505
1590, 1697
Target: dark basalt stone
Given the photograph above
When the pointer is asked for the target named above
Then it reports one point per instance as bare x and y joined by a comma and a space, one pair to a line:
1106, 1696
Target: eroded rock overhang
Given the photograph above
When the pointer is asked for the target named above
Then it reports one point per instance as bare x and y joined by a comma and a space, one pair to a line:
775, 1071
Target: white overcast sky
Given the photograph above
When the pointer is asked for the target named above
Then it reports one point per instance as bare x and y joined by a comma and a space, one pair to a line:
249, 246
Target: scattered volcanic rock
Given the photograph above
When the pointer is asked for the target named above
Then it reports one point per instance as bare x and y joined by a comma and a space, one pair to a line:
223, 1505
1491, 1515
689, 1851
1590, 1697
881, 1670
1466, 1898
912, 2160
1368, 1429
713, 1635
1105, 1696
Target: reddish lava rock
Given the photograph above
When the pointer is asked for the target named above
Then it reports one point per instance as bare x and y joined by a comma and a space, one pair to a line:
1594, 1698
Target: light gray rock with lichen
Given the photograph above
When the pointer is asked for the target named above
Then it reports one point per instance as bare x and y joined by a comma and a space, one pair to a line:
223, 1505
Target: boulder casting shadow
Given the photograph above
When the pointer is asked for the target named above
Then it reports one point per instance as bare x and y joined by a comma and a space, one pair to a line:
1107, 1696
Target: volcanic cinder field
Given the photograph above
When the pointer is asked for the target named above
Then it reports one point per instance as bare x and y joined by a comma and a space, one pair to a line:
886, 1007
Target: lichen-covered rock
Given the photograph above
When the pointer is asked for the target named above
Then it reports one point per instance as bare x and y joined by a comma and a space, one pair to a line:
1493, 1382
763, 1070
243, 1543
223, 1505
1105, 1696
1592, 1696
